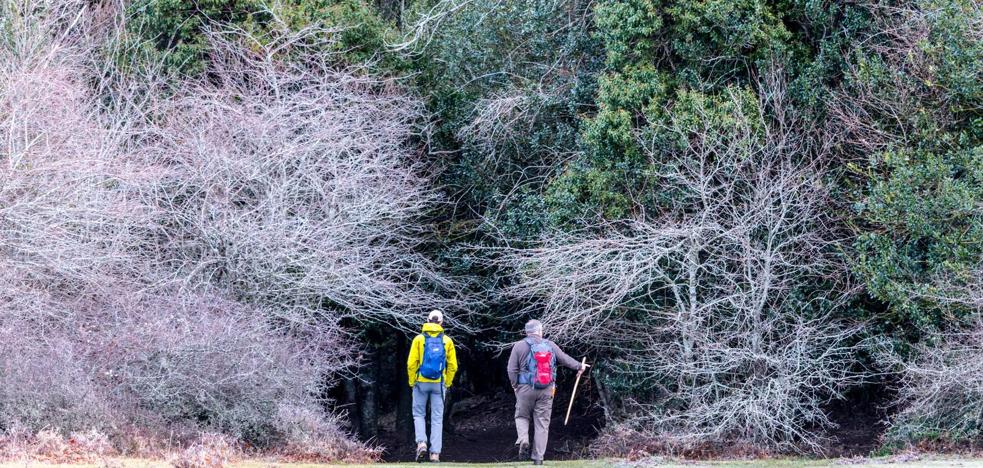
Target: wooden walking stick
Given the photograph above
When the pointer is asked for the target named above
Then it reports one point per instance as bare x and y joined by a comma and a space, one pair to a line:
574, 394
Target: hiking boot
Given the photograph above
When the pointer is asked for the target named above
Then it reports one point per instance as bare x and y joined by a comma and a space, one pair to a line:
537, 462
421, 451
524, 451
434, 458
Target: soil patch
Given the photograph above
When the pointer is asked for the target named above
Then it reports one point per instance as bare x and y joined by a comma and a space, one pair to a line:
861, 419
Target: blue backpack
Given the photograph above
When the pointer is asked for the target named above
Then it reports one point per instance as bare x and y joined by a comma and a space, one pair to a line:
434, 357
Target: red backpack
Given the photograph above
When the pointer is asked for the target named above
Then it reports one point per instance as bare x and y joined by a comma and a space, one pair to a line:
541, 367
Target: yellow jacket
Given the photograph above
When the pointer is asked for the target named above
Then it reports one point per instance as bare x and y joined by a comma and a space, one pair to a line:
416, 356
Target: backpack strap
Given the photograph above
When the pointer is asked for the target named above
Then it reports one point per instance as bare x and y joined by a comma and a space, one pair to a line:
440, 336
526, 377
423, 350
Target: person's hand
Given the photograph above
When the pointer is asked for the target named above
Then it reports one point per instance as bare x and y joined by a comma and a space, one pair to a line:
583, 367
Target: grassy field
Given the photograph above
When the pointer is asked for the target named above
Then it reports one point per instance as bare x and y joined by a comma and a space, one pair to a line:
903, 461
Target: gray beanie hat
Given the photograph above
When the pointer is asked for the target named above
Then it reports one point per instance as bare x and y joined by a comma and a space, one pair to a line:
534, 327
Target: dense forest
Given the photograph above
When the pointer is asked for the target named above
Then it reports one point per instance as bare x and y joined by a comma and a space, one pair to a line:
230, 217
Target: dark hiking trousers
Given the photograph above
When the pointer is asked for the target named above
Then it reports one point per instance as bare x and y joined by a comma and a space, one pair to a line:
537, 406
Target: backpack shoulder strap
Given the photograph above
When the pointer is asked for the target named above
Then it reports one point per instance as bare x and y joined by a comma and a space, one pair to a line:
525, 376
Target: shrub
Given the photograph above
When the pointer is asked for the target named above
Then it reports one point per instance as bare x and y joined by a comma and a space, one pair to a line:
940, 390
717, 310
905, 113
179, 260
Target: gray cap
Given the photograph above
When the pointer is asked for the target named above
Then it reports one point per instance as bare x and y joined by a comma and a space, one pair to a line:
534, 327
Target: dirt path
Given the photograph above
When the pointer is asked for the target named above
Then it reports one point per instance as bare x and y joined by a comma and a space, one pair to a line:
484, 432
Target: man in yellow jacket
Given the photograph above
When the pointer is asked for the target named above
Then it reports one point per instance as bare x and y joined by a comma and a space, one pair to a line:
431, 367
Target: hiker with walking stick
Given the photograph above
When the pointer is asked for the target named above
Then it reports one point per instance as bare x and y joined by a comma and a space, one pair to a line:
431, 367
532, 373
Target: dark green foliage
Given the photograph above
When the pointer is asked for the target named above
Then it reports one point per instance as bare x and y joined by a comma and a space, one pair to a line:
507, 82
656, 53
929, 231
173, 29
176, 26
921, 201
362, 32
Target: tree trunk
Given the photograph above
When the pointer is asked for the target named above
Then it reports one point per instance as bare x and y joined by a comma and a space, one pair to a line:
605, 396
404, 402
449, 398
368, 403
351, 404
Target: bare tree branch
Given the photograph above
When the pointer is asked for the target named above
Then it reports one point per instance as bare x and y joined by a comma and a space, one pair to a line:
724, 299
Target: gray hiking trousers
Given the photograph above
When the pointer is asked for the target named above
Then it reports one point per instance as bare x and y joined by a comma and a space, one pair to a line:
434, 393
536, 405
